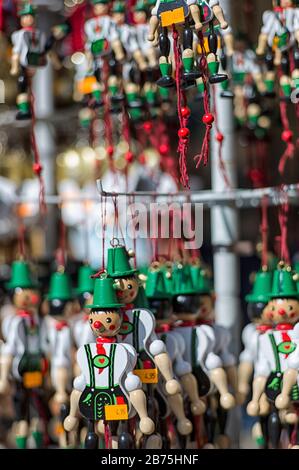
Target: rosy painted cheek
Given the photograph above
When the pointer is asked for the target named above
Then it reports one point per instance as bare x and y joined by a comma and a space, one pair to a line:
293, 315
203, 311
112, 327
120, 294
270, 316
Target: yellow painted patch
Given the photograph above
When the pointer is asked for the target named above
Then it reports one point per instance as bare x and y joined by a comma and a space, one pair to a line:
147, 376
116, 412
169, 18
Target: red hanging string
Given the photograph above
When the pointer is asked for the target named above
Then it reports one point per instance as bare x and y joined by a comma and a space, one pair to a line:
108, 437
154, 227
107, 116
77, 20
220, 139
264, 228
61, 250
37, 166
283, 223
292, 68
1, 16
183, 132
287, 134
21, 238
132, 203
208, 118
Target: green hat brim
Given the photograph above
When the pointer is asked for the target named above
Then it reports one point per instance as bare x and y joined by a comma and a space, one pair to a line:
60, 297
13, 285
93, 306
285, 295
119, 274
29, 10
251, 298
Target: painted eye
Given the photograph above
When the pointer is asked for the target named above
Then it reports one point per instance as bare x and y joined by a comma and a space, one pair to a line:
130, 286
273, 309
90, 321
291, 307
108, 320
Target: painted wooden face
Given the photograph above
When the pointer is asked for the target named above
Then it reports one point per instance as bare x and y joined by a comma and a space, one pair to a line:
186, 307
119, 18
128, 290
100, 9
26, 299
27, 21
282, 311
206, 308
105, 323
286, 3
139, 17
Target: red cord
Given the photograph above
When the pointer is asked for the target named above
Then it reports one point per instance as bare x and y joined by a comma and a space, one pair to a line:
61, 250
184, 139
21, 238
220, 140
264, 228
283, 223
204, 152
37, 166
107, 115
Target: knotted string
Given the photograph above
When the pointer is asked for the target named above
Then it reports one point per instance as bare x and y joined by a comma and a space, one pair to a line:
264, 229
183, 139
283, 223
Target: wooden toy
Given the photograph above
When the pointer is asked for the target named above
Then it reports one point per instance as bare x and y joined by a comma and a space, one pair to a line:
107, 388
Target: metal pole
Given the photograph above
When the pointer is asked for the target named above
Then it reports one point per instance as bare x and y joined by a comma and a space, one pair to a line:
44, 134
225, 233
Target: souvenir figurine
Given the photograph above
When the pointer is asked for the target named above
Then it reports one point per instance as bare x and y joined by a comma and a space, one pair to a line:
278, 38
199, 339
24, 358
102, 37
28, 53
160, 303
81, 330
257, 302
276, 347
165, 14
107, 388
206, 316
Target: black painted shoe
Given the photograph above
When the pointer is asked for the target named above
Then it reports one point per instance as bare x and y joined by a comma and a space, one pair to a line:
227, 94
191, 75
218, 78
23, 116
117, 98
187, 84
134, 104
166, 82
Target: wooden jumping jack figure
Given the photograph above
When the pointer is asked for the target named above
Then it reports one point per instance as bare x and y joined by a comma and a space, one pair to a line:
223, 341
58, 343
278, 39
169, 14
275, 351
160, 303
102, 41
107, 388
200, 340
24, 358
28, 54
257, 302
138, 329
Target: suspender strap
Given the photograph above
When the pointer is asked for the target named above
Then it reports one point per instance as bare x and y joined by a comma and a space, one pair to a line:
136, 314
193, 348
90, 365
275, 352
111, 365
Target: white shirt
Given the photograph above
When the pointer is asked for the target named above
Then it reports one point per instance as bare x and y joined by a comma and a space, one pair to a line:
274, 24
27, 41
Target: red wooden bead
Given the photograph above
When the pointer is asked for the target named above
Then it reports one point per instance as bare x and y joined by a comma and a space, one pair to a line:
110, 150
219, 137
164, 149
129, 157
142, 159
208, 118
185, 112
287, 136
147, 126
37, 168
183, 132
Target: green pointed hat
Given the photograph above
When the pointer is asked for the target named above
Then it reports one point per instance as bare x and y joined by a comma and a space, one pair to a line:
27, 9
261, 287
283, 285
21, 276
118, 7
141, 300
60, 287
104, 294
140, 6
96, 2
155, 284
204, 285
118, 264
182, 280
85, 281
